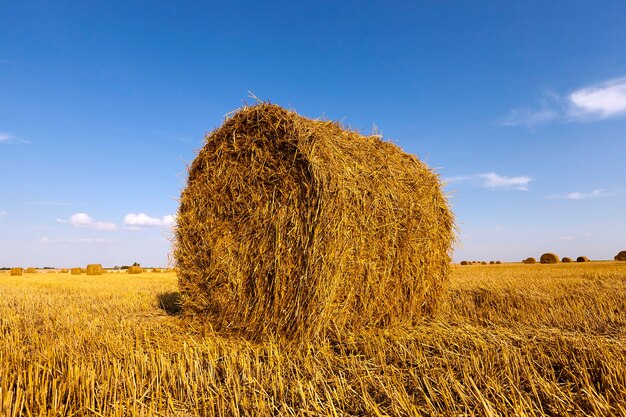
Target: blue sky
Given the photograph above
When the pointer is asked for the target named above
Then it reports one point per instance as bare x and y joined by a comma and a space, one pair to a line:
520, 106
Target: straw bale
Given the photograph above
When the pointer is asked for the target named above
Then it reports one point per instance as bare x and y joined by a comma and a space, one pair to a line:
94, 269
465, 263
292, 226
134, 270
30, 270
76, 271
157, 270
65, 271
621, 256
582, 259
549, 258
16, 271
566, 259
529, 261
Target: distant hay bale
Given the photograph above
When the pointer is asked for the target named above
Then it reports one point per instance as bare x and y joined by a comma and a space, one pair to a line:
549, 258
621, 256
465, 263
30, 271
65, 271
295, 227
483, 263
498, 262
582, 259
492, 262
94, 269
566, 259
76, 271
16, 271
157, 270
529, 261
134, 270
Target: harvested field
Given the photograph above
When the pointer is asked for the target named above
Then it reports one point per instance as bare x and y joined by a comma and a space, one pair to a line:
513, 340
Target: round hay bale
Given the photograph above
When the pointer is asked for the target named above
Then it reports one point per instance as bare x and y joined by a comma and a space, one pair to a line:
582, 259
621, 256
94, 269
134, 270
498, 262
17, 271
549, 258
566, 259
465, 263
76, 271
529, 261
483, 263
293, 227
492, 262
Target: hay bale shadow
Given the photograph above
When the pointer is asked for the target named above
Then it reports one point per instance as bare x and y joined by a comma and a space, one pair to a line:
170, 302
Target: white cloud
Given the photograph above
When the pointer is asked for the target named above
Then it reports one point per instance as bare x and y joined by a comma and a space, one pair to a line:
140, 220
3, 213
7, 139
45, 240
494, 181
591, 103
581, 196
566, 238
600, 101
83, 220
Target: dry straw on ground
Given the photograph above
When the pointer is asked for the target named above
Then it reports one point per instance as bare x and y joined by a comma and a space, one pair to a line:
293, 227
566, 259
582, 259
76, 271
529, 261
135, 270
621, 256
94, 269
549, 258
16, 271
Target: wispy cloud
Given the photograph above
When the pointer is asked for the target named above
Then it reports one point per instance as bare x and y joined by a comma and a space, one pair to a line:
577, 195
529, 117
45, 240
494, 181
3, 213
48, 203
7, 139
587, 104
143, 220
567, 238
83, 220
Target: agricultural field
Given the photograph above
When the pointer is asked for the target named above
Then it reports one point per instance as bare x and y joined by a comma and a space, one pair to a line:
510, 339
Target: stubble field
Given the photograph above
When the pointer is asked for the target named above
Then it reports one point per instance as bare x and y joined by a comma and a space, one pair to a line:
511, 339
